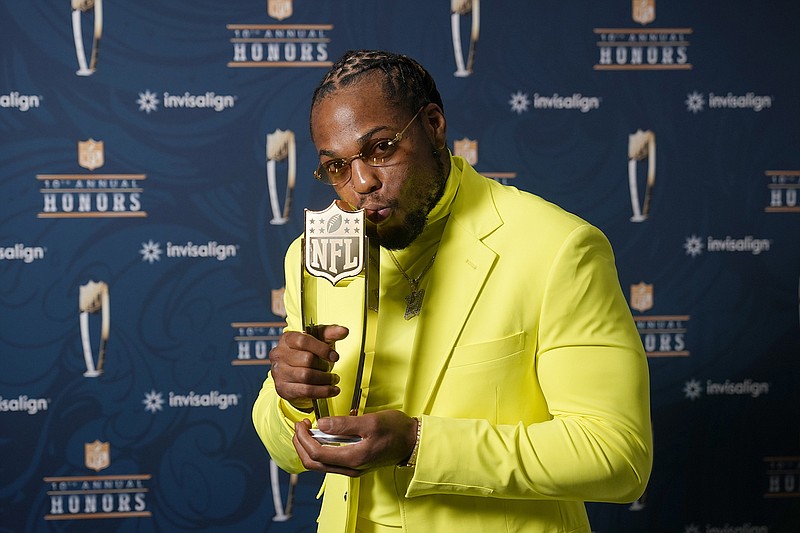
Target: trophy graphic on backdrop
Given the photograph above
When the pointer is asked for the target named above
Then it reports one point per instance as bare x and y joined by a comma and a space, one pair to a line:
336, 250
457, 9
87, 68
641, 145
280, 146
93, 297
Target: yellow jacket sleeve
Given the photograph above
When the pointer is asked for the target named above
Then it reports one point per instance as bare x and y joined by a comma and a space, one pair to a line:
273, 417
591, 367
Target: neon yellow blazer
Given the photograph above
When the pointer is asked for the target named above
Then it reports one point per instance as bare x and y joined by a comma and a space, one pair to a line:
527, 370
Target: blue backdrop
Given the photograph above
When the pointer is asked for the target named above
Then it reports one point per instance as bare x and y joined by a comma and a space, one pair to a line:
141, 243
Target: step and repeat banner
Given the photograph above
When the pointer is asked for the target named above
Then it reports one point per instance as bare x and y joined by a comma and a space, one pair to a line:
155, 163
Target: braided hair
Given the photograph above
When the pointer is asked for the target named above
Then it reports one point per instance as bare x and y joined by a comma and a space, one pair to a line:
406, 82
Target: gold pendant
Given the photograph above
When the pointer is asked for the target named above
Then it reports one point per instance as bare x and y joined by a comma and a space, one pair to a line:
413, 303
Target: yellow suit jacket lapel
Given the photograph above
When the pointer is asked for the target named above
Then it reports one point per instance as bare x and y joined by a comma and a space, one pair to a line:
456, 279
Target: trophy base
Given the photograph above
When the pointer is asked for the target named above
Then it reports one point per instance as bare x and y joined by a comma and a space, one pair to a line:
334, 440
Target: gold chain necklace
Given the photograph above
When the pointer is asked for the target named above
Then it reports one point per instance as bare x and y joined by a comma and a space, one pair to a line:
414, 299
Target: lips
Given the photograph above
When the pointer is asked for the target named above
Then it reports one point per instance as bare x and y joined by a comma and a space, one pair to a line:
376, 216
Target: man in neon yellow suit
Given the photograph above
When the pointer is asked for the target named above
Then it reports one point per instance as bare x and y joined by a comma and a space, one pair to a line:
509, 384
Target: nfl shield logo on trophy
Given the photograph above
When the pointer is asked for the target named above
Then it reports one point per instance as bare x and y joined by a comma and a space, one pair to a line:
97, 455
279, 9
468, 149
90, 154
334, 243
642, 296
644, 11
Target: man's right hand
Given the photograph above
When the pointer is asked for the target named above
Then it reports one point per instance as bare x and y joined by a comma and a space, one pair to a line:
302, 363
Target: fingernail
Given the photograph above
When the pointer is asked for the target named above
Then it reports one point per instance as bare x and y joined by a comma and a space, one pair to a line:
324, 424
336, 379
334, 356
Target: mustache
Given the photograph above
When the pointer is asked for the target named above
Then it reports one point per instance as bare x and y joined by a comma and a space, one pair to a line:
373, 200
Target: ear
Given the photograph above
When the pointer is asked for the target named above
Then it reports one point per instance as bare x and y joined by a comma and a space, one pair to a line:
435, 125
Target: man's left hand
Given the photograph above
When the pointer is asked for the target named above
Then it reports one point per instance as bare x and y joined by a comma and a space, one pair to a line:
387, 438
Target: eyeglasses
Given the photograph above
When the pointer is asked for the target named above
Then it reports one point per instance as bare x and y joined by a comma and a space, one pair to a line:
375, 153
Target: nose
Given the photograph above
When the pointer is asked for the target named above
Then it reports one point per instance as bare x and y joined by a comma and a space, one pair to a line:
364, 178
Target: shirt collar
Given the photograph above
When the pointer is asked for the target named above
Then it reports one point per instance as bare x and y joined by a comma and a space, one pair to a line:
444, 205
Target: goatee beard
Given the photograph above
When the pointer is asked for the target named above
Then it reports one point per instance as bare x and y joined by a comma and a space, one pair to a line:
415, 221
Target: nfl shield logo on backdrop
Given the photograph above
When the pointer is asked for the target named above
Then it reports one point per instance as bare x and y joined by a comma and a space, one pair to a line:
642, 296
279, 9
90, 154
97, 455
644, 11
468, 149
